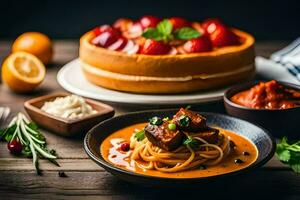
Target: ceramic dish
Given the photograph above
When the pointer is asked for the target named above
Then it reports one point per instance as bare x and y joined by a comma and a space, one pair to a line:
62, 126
258, 136
279, 122
82, 87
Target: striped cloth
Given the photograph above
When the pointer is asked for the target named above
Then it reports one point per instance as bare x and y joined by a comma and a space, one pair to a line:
289, 57
283, 65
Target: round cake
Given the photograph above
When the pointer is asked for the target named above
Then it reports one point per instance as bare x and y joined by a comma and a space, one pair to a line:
166, 56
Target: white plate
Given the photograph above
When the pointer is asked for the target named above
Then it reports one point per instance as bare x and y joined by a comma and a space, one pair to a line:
71, 78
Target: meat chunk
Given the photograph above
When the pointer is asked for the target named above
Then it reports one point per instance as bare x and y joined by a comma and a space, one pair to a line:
189, 121
164, 138
211, 135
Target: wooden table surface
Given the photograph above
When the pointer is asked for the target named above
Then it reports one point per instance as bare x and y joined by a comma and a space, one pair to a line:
18, 179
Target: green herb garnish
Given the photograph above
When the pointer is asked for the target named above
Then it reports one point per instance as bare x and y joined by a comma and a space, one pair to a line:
289, 154
32, 141
155, 121
186, 33
164, 32
190, 141
172, 127
184, 120
140, 135
166, 119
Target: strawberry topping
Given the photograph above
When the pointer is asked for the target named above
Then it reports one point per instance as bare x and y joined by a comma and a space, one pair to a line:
179, 22
223, 36
106, 38
134, 31
152, 36
201, 44
98, 30
118, 45
210, 25
122, 24
149, 21
152, 47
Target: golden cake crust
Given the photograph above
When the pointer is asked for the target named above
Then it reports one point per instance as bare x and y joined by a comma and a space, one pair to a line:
167, 73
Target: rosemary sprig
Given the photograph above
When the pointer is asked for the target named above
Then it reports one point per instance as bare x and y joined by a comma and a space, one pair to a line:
33, 142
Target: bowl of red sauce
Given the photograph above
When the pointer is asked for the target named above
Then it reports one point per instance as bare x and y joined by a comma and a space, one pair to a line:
274, 105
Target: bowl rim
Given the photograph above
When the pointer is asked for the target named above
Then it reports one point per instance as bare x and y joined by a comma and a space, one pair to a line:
248, 85
106, 165
29, 105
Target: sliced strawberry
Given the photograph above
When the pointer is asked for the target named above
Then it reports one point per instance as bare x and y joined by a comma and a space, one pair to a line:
173, 51
128, 46
122, 24
134, 49
118, 45
179, 22
152, 47
98, 30
210, 25
223, 36
149, 21
198, 27
134, 31
196, 45
106, 38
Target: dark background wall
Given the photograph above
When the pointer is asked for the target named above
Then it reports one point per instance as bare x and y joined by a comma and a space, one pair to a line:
266, 19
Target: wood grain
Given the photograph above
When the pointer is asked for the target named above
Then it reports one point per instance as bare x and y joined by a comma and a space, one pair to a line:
83, 164
94, 184
89, 181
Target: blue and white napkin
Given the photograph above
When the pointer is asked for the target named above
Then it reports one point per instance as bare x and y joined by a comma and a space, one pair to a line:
283, 65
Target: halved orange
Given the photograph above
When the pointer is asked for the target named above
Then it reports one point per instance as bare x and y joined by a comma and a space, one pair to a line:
23, 72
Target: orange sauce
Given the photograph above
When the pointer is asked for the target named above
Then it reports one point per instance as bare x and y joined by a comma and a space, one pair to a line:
109, 150
269, 95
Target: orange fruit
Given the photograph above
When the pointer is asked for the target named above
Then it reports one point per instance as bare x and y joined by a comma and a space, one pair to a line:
35, 43
22, 72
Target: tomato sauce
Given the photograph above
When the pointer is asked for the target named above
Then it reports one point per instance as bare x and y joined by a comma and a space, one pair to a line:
268, 95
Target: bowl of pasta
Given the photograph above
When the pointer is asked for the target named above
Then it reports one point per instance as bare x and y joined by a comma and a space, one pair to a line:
174, 147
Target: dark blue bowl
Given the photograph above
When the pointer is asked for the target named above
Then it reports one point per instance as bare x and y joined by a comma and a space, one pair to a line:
261, 139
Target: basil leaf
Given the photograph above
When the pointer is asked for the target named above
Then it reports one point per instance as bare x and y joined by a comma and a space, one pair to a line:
165, 27
153, 33
156, 121
186, 33
191, 142
184, 120
140, 135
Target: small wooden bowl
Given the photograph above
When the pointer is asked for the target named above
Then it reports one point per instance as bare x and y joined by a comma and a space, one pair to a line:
63, 126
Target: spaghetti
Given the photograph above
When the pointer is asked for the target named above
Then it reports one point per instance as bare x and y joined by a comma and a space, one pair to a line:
183, 158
